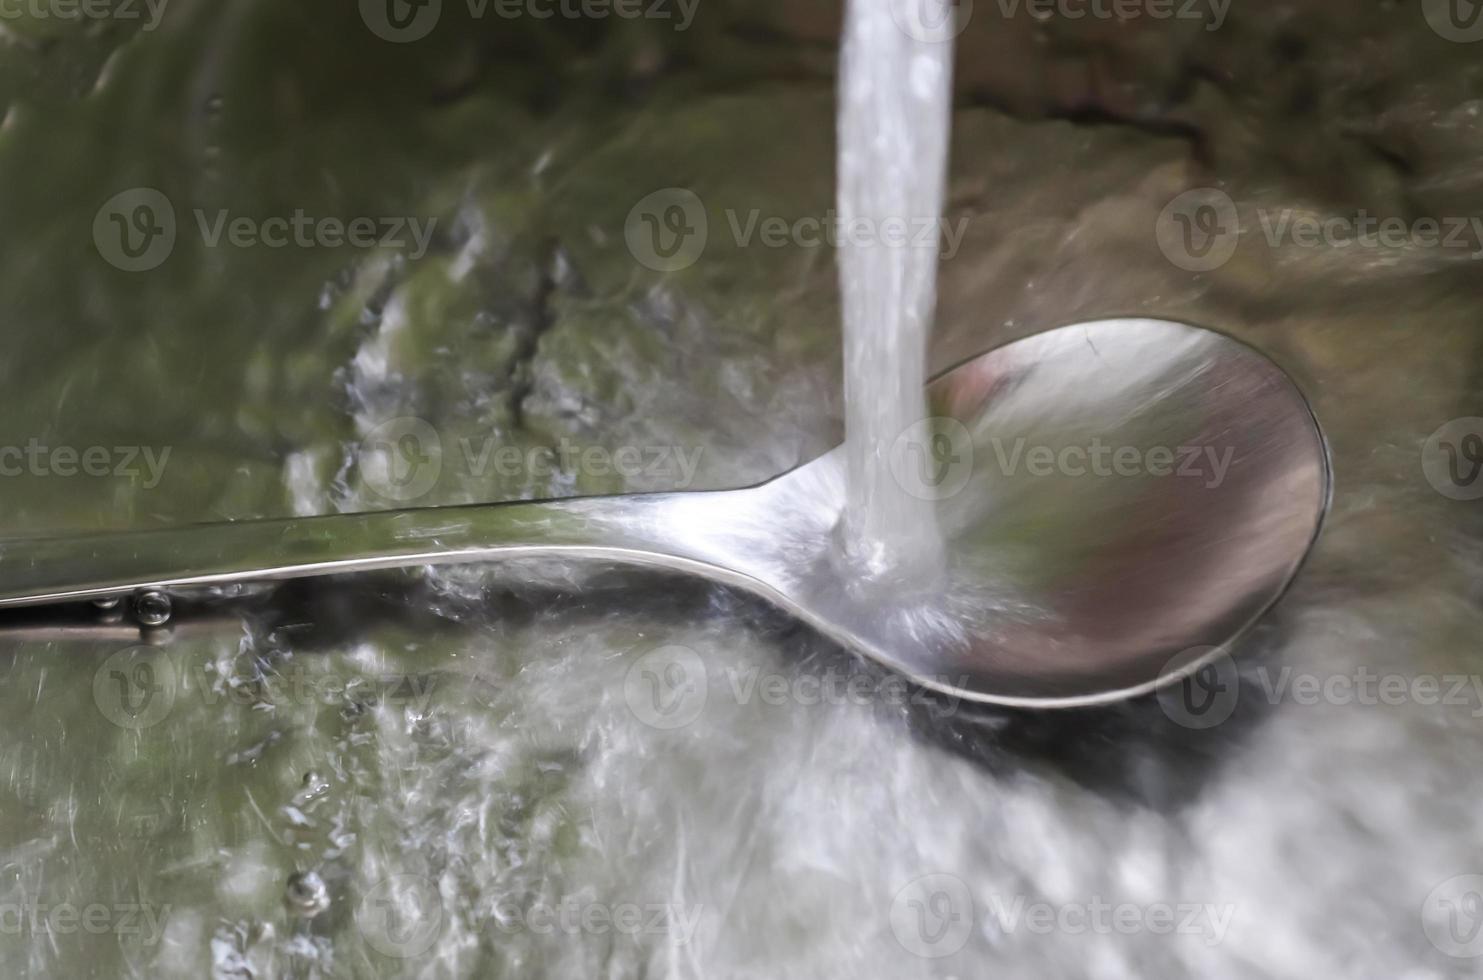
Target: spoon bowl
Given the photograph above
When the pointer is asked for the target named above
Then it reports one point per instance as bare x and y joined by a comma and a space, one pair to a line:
1119, 500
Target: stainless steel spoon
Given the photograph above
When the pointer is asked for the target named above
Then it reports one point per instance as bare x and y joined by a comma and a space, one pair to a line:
1113, 495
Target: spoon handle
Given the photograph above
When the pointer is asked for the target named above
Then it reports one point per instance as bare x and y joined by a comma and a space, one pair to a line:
642, 528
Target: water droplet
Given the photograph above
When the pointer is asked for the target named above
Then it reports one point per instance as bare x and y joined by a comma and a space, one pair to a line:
306, 894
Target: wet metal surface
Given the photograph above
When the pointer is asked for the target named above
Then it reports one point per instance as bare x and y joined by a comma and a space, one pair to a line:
1112, 495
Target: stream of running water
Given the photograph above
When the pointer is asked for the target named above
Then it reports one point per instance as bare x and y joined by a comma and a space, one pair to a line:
895, 100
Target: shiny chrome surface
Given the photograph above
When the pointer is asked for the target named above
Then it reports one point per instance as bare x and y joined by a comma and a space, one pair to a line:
1114, 494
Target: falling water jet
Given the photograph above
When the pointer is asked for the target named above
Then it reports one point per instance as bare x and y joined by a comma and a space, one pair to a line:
895, 100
